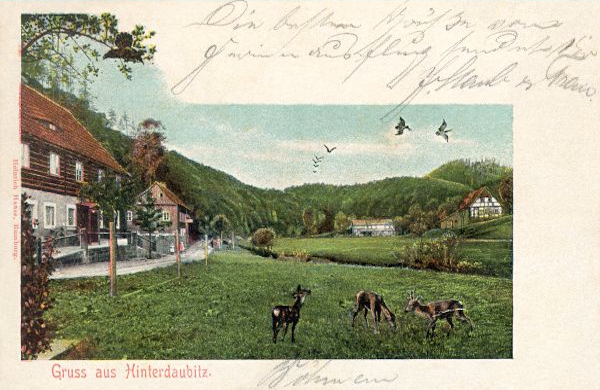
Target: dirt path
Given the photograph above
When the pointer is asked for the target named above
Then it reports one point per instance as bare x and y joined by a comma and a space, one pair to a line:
193, 253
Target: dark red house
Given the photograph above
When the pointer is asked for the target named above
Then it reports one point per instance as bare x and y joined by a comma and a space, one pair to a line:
176, 214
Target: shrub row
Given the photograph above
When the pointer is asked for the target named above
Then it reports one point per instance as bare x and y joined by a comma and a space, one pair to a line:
437, 254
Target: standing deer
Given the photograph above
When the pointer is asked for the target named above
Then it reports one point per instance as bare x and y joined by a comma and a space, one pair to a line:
373, 302
436, 310
284, 315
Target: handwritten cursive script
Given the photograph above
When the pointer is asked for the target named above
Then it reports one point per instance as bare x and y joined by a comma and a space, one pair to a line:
292, 373
414, 49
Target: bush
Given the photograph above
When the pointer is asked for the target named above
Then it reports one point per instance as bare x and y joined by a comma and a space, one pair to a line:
437, 254
301, 254
263, 238
35, 292
436, 233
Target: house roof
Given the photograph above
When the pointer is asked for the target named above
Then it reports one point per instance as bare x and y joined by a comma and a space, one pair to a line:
170, 194
472, 197
38, 112
379, 221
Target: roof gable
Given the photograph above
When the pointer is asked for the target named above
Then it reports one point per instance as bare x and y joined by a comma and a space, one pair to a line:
168, 193
47, 120
381, 221
472, 197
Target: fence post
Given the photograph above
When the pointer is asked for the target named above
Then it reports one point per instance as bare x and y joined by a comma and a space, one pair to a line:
38, 247
206, 249
112, 268
177, 256
83, 239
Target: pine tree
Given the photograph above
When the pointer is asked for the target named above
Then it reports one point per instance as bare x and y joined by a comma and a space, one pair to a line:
149, 218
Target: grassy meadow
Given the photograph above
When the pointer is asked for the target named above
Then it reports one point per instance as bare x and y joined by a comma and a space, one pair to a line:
223, 312
495, 256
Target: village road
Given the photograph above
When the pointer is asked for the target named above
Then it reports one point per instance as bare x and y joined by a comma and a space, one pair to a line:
193, 253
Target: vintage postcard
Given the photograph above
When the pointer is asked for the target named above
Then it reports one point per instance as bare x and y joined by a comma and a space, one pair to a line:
292, 194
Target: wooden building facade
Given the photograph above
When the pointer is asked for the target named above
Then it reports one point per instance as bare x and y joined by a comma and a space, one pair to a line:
58, 155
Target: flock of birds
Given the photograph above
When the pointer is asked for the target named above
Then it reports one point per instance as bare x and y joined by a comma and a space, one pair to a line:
442, 131
318, 160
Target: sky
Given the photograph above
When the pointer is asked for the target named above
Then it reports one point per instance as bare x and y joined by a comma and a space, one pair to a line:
272, 146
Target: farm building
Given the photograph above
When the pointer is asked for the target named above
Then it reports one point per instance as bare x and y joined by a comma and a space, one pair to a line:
478, 204
175, 213
58, 155
373, 227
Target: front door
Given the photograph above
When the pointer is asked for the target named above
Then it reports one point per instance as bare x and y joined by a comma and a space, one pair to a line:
93, 226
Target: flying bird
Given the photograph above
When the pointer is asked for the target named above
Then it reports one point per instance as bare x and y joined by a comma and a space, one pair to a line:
442, 130
330, 150
401, 127
319, 159
124, 49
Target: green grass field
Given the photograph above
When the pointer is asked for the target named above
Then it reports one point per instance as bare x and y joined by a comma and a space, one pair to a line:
499, 228
495, 257
223, 312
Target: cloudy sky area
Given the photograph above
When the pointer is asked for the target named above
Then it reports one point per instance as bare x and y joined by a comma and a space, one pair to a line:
271, 146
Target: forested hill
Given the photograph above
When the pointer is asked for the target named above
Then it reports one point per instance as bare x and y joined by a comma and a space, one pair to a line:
210, 191
383, 198
471, 173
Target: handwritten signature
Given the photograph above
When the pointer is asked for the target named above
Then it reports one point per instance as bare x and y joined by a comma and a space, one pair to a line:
292, 373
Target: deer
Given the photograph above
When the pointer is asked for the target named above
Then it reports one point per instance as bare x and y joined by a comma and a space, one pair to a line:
370, 301
284, 315
436, 310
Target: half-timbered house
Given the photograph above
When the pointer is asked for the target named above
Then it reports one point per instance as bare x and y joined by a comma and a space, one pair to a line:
478, 204
58, 155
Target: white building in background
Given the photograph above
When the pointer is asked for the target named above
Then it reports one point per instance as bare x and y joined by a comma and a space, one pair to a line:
373, 227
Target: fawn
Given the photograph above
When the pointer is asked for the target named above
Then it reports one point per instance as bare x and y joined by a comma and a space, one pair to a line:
436, 310
284, 315
373, 302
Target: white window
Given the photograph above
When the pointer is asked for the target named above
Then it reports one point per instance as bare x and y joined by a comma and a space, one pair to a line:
71, 216
25, 155
78, 171
166, 216
54, 164
118, 181
129, 216
100, 174
100, 220
49, 215
34, 213
52, 126
117, 220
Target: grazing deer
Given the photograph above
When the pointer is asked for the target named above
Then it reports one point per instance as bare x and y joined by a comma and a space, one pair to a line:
284, 315
436, 310
373, 302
